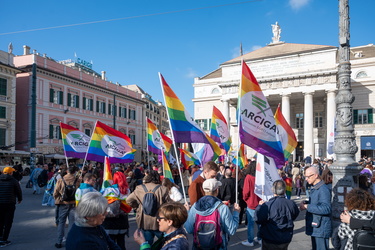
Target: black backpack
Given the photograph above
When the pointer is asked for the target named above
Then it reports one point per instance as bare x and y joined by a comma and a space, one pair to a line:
150, 202
364, 240
69, 191
41, 180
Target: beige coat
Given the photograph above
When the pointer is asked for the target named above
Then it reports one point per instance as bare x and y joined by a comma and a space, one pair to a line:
144, 221
59, 188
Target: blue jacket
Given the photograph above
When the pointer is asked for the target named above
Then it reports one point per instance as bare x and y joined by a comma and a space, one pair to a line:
93, 238
206, 206
276, 219
318, 215
177, 244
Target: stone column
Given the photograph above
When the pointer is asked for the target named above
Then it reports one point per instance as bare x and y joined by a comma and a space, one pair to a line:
226, 110
345, 168
308, 121
331, 113
285, 106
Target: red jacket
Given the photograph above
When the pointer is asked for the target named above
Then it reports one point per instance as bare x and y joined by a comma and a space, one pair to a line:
251, 199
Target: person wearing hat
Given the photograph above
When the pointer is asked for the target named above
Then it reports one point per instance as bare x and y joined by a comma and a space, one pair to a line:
207, 205
10, 193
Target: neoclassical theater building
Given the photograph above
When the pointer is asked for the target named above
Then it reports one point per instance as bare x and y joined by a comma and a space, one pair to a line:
302, 78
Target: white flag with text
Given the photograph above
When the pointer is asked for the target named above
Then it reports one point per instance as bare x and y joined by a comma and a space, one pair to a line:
265, 175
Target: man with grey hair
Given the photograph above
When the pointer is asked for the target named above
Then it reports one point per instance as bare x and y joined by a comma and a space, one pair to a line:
318, 215
275, 218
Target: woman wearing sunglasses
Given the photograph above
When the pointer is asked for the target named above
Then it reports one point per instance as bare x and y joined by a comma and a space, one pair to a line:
171, 218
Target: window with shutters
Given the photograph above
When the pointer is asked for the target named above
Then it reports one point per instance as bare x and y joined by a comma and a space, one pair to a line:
363, 116
54, 132
56, 96
73, 100
132, 137
100, 107
122, 112
88, 103
132, 114
3, 112
111, 109
3, 132
3, 86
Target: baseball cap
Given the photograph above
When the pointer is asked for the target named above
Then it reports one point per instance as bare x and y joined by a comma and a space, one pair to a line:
8, 170
211, 185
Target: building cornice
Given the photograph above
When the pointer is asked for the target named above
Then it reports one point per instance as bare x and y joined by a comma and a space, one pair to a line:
53, 74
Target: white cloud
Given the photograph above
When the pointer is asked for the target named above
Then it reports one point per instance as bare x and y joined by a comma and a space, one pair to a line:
191, 73
298, 4
235, 52
255, 47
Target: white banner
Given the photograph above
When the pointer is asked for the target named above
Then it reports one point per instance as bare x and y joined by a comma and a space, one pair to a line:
265, 175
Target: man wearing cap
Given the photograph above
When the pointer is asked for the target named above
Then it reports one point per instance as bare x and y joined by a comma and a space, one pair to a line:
207, 205
10, 192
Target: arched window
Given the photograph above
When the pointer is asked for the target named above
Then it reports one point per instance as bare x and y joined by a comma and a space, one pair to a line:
215, 91
361, 74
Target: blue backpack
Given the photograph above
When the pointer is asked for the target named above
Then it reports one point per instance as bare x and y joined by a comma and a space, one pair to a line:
51, 185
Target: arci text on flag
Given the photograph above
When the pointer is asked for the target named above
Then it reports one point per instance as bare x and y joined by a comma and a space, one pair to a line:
107, 141
265, 175
74, 141
257, 125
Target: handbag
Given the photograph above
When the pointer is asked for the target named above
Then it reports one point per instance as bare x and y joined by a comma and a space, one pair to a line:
29, 184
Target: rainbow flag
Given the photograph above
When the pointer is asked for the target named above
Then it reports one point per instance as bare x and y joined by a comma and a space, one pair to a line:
219, 129
107, 175
112, 192
106, 141
184, 128
156, 140
188, 159
75, 142
167, 169
239, 157
286, 134
257, 125
289, 185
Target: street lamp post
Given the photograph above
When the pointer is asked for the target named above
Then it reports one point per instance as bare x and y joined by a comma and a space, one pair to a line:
345, 168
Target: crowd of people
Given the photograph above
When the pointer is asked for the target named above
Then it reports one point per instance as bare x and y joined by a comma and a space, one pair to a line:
97, 214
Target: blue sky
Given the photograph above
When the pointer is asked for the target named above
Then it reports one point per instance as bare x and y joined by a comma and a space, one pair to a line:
180, 39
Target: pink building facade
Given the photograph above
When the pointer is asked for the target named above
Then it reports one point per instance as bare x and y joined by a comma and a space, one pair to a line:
74, 96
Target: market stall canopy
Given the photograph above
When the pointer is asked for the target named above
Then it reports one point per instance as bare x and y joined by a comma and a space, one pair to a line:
56, 156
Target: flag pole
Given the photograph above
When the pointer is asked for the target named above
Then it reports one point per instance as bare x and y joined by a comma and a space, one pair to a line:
66, 158
148, 155
92, 133
174, 142
238, 124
